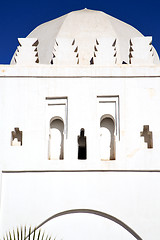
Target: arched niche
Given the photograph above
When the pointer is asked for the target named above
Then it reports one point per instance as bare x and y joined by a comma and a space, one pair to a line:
82, 145
107, 138
56, 139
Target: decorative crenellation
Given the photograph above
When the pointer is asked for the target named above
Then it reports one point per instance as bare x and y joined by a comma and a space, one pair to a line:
141, 51
65, 52
105, 52
26, 52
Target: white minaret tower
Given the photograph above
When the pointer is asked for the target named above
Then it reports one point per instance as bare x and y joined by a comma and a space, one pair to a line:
80, 132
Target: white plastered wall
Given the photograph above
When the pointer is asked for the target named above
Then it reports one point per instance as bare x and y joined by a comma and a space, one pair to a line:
132, 197
24, 105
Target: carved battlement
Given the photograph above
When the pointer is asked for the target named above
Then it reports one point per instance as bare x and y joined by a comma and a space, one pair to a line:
26, 53
141, 51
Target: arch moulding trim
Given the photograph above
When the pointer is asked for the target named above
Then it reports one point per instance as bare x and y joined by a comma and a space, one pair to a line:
91, 211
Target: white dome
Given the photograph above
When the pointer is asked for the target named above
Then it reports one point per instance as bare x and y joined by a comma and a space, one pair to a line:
83, 28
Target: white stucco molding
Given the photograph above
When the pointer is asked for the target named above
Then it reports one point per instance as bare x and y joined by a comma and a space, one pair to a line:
42, 71
108, 106
57, 107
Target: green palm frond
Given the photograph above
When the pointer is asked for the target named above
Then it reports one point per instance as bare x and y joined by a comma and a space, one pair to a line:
7, 236
21, 233
42, 236
24, 233
10, 237
14, 235
18, 234
39, 233
34, 234
29, 234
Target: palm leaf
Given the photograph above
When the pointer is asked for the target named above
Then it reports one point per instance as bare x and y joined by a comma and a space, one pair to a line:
10, 236
21, 233
24, 233
14, 235
18, 234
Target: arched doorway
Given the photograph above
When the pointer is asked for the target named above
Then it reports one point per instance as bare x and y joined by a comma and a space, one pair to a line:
107, 138
56, 139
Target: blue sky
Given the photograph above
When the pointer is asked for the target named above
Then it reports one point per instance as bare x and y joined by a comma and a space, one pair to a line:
19, 18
